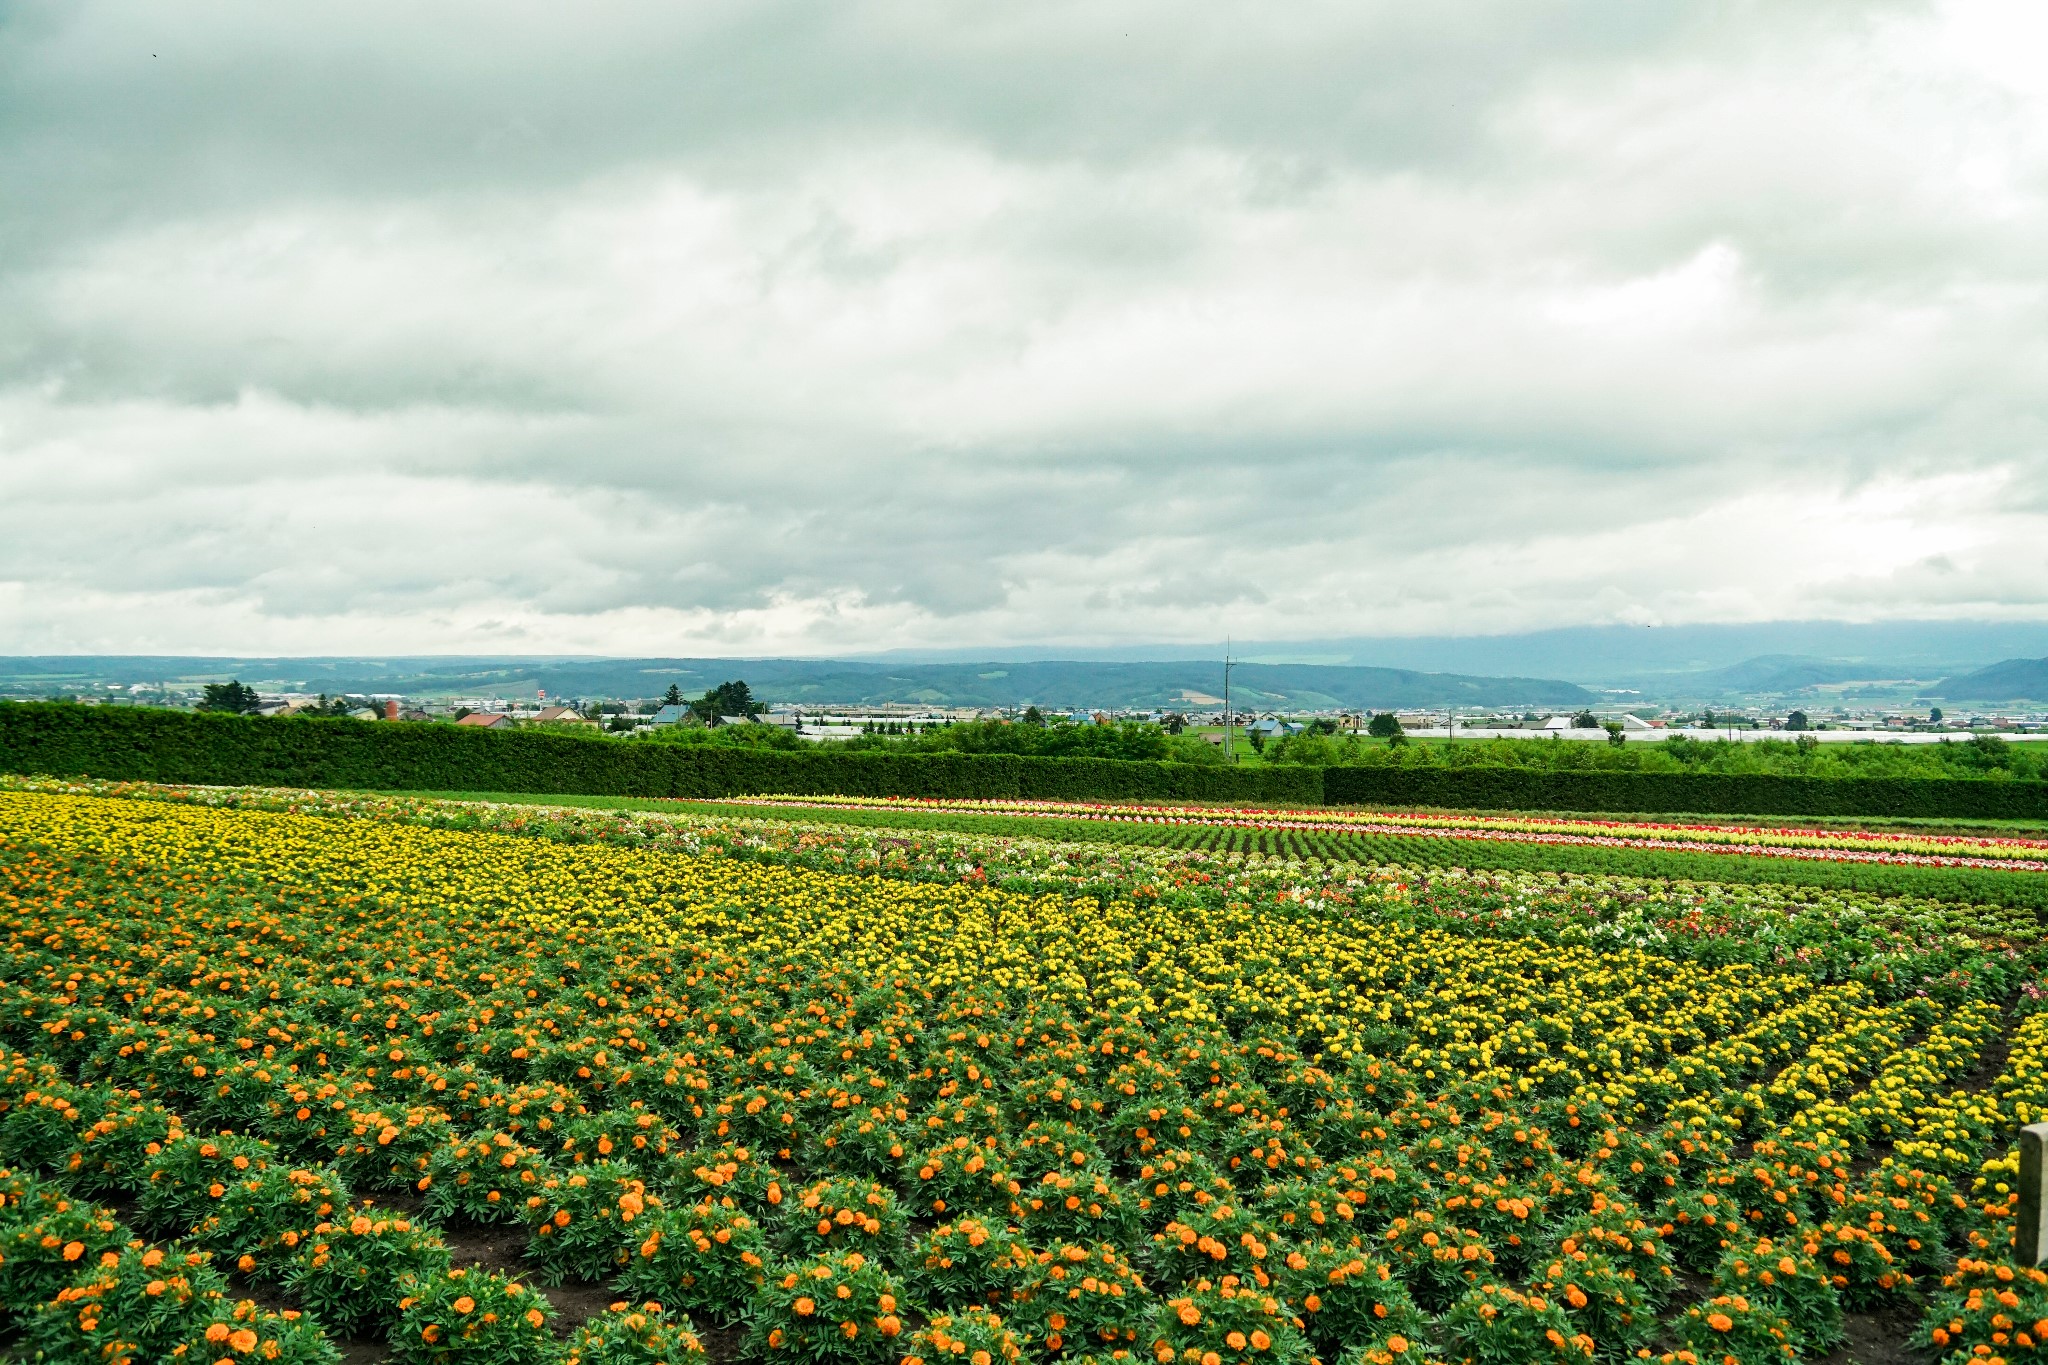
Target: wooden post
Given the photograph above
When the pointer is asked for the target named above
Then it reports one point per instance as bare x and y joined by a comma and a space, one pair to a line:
2032, 1238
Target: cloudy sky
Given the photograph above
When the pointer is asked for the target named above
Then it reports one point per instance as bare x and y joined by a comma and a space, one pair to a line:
805, 327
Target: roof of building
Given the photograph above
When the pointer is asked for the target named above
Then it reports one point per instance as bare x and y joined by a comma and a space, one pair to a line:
560, 713
489, 720
670, 715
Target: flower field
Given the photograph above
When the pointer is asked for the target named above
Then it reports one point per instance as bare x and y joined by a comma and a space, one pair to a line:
2017, 853
793, 1091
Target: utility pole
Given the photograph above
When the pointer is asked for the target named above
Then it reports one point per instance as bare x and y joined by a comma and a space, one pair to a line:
1229, 723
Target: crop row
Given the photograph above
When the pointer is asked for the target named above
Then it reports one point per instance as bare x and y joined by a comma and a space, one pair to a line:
870, 1119
2028, 852
1969, 885
1900, 946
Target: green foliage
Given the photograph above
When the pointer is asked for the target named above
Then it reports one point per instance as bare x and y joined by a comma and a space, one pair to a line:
803, 1315
347, 1272
472, 1317
230, 697
725, 736
1730, 1327
1432, 782
176, 746
645, 1335
488, 1178
1131, 741
733, 698
142, 1304
1347, 1295
1784, 1275
194, 1177
1085, 1298
707, 1258
1383, 725
1981, 1306
586, 1223
1985, 756
242, 1331
1493, 1323
974, 1335
958, 1265
46, 1237
1237, 1322
841, 1214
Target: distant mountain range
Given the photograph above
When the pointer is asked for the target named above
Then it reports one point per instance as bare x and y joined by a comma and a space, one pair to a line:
1603, 656
1061, 684
2012, 680
1885, 664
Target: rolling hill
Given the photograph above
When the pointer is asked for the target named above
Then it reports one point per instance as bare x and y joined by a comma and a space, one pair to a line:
1046, 683
2012, 680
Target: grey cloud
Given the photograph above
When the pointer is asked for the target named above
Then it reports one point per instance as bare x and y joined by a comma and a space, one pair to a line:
808, 326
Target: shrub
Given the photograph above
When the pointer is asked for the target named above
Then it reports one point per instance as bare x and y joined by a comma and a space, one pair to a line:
859, 1144
243, 1332
113, 1153
732, 1170
43, 1129
1627, 1241
383, 1149
472, 1317
46, 1237
1226, 1322
1492, 1322
1439, 1262
1732, 1327
192, 1178
1222, 1238
636, 1137
960, 1176
708, 1258
1862, 1267
486, 1178
1175, 1185
967, 1263
842, 1214
841, 1306
1784, 1275
260, 1220
975, 1337
628, 1335
1604, 1301
141, 1303
1346, 1296
347, 1272
1988, 1309
175, 746
1085, 1299
586, 1223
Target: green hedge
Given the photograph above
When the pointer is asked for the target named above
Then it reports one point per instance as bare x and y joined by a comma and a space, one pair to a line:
1697, 793
143, 743
148, 744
